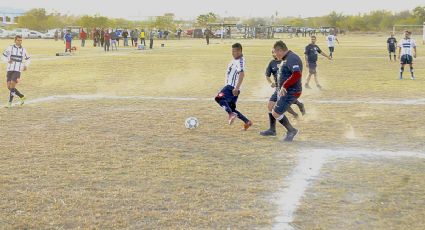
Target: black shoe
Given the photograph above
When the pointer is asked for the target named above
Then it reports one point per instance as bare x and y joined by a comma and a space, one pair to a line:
291, 135
302, 108
268, 132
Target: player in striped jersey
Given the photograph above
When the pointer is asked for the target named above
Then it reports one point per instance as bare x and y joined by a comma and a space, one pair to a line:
18, 60
228, 96
406, 52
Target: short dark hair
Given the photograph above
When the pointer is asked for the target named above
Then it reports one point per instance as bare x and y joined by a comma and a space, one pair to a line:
281, 45
237, 46
18, 36
313, 36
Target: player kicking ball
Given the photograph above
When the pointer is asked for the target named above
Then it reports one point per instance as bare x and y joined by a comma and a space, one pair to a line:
17, 60
406, 52
228, 96
290, 87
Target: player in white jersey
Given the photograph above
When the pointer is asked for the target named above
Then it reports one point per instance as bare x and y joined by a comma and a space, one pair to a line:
331, 38
406, 52
228, 96
18, 60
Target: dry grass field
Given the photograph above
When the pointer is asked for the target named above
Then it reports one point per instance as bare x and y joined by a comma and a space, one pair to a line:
101, 143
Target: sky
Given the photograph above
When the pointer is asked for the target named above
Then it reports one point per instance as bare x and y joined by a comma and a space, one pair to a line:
189, 9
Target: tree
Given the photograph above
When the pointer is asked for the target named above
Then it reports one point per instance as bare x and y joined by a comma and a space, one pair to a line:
204, 19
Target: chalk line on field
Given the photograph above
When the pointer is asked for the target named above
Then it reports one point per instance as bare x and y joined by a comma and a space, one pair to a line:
92, 97
309, 165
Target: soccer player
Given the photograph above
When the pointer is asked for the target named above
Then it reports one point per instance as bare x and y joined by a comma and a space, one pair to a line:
311, 56
113, 37
228, 96
290, 89
331, 38
407, 49
391, 44
106, 40
17, 59
83, 37
273, 69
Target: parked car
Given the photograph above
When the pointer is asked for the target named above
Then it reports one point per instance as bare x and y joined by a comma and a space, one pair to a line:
4, 33
35, 34
25, 33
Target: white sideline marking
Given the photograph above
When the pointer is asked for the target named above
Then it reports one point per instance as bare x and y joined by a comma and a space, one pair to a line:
309, 166
91, 97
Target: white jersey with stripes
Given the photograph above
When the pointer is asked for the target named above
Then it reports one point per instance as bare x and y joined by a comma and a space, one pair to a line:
234, 69
16, 58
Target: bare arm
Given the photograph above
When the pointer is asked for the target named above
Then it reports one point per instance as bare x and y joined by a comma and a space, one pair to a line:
325, 55
241, 77
306, 60
414, 54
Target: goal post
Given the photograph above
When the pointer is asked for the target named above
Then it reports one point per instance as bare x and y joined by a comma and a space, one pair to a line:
417, 30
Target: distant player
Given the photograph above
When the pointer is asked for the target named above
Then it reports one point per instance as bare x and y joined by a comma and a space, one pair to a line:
290, 89
273, 69
391, 45
17, 59
406, 52
331, 38
311, 57
228, 96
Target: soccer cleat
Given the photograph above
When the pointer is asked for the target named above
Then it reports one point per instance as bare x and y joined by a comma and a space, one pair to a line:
232, 117
247, 125
302, 108
268, 133
8, 105
412, 77
307, 86
22, 100
291, 135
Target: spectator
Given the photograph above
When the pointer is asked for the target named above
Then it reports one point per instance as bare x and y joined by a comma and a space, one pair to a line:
125, 36
151, 36
135, 37
83, 37
143, 37
68, 40
113, 36
106, 40
102, 37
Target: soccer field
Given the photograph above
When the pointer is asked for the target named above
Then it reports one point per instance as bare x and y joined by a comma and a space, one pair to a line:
101, 143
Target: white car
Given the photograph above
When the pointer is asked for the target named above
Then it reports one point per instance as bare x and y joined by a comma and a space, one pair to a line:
35, 34
25, 33
4, 33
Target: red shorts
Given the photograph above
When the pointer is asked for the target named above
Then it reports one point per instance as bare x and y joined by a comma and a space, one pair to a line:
68, 45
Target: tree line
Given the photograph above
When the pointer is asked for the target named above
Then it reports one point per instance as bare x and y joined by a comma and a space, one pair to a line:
381, 20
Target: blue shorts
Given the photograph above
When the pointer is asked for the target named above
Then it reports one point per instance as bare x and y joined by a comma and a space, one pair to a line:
227, 94
274, 97
283, 103
406, 59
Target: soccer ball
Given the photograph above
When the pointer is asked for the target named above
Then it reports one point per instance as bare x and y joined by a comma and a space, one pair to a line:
191, 123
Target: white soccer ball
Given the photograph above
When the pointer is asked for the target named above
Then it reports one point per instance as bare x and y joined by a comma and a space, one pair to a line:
191, 123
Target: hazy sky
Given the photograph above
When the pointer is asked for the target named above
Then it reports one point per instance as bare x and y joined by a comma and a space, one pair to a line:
190, 8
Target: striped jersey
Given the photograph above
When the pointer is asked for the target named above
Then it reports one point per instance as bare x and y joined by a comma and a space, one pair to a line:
407, 46
18, 56
235, 67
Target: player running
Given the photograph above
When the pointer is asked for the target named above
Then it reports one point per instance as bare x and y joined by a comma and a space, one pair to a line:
289, 86
331, 38
273, 69
228, 96
407, 49
391, 45
17, 59
311, 57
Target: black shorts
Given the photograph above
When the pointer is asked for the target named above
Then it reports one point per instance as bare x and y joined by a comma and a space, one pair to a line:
283, 104
406, 59
13, 76
391, 49
312, 67
331, 49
